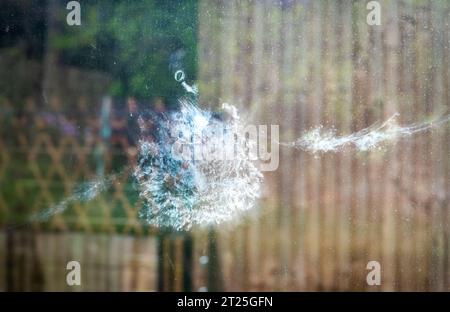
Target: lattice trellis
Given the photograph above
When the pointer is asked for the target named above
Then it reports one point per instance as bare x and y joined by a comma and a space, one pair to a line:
43, 165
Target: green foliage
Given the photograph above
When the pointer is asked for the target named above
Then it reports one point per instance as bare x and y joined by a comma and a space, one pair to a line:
132, 41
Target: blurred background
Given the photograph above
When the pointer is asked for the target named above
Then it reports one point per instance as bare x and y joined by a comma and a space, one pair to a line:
70, 96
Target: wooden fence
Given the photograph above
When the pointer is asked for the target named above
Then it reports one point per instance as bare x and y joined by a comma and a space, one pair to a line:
300, 64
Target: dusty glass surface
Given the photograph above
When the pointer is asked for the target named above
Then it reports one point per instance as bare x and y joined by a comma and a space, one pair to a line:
224, 145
